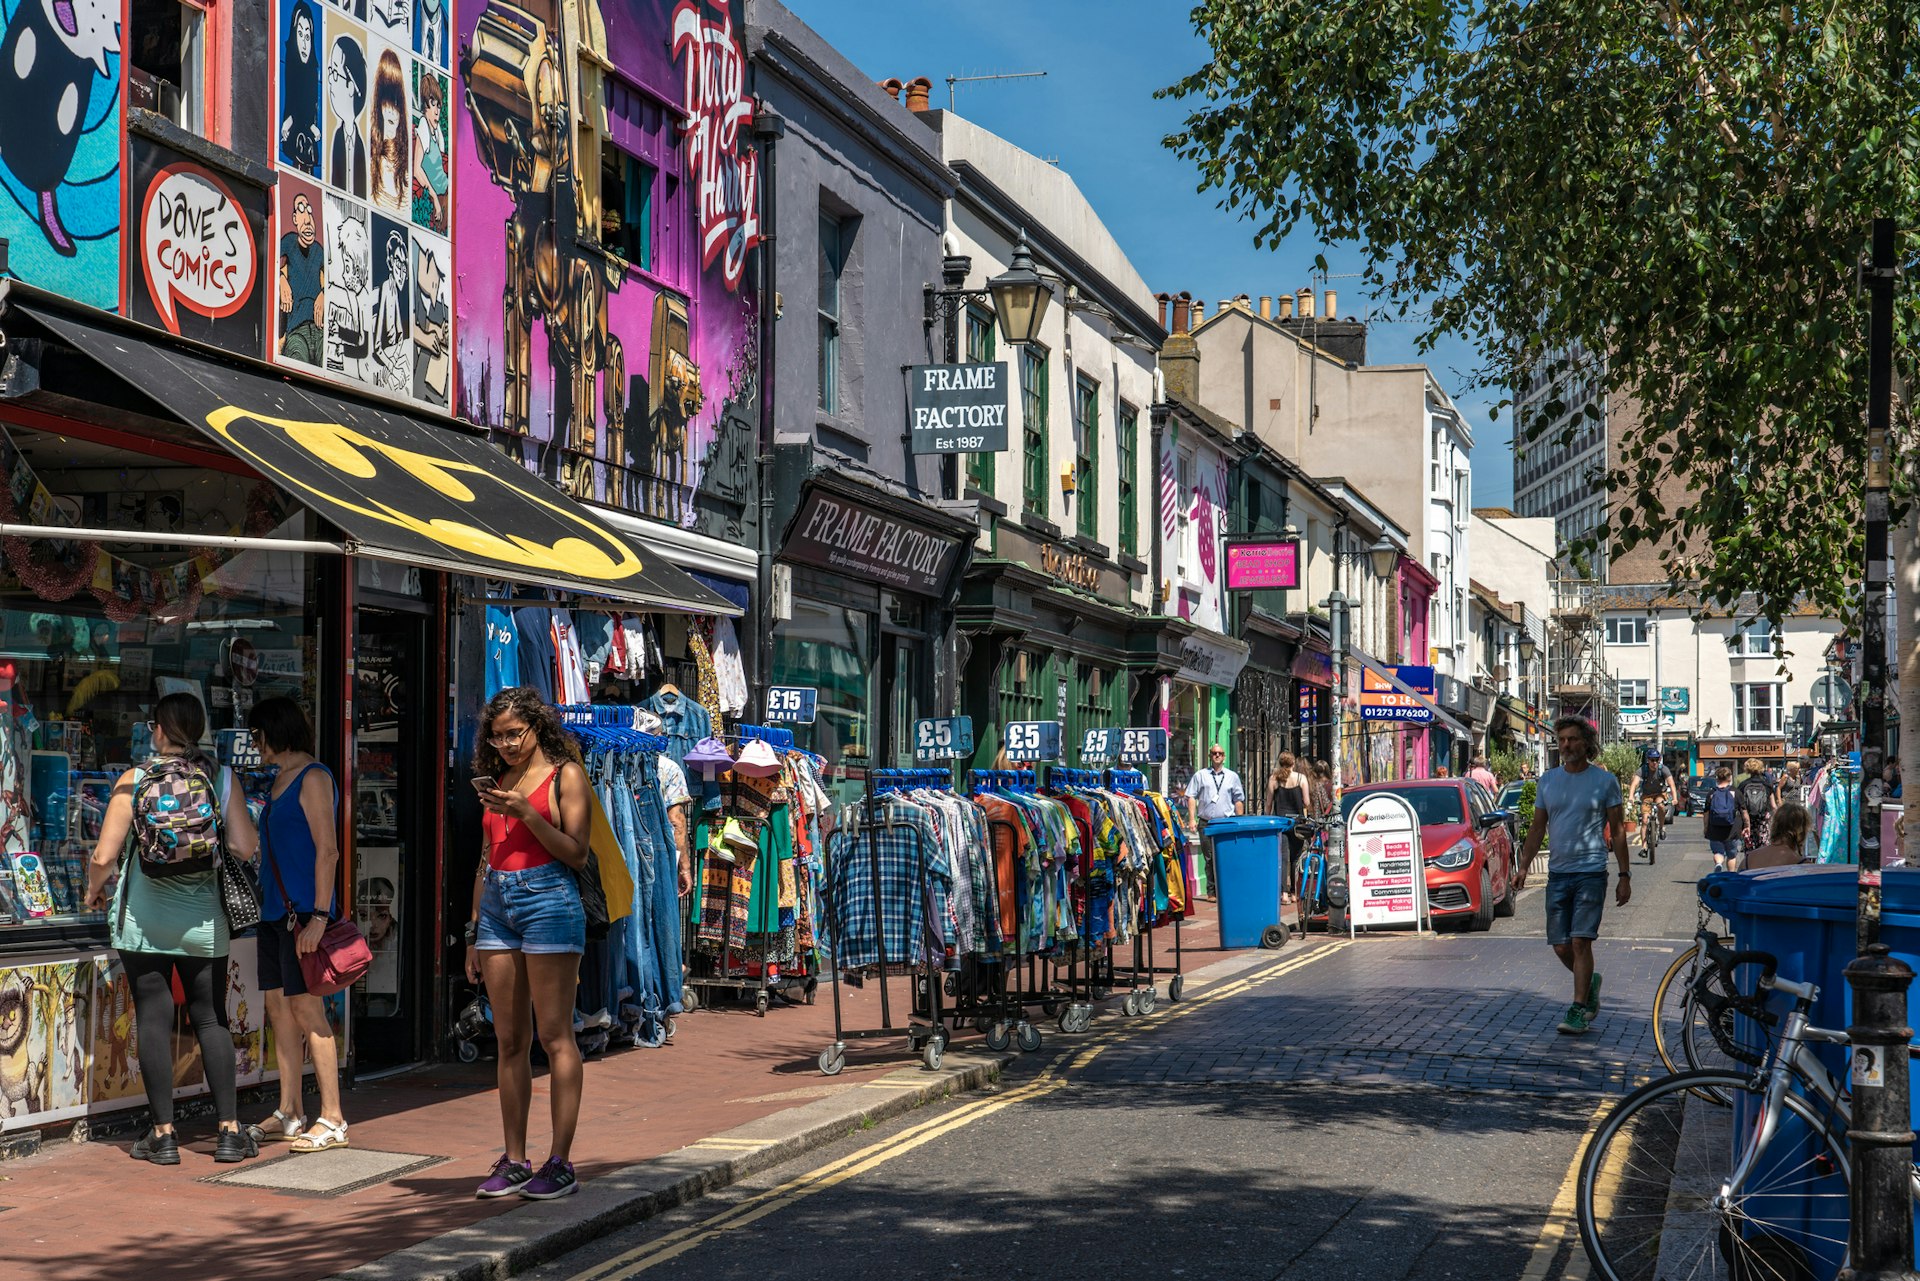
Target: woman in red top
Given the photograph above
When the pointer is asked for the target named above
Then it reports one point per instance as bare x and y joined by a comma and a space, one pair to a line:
528, 928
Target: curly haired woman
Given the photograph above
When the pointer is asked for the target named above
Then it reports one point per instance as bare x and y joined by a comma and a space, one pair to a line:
529, 928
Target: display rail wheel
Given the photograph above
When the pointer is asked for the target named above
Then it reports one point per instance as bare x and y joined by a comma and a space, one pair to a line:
931, 1055
1027, 1037
832, 1059
1176, 987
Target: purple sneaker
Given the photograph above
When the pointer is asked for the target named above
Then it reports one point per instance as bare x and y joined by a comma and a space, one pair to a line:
508, 1177
554, 1180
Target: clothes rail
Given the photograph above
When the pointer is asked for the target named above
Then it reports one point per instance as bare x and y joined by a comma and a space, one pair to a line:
907, 779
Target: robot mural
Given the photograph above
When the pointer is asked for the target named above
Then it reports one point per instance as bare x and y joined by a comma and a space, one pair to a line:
516, 70
619, 364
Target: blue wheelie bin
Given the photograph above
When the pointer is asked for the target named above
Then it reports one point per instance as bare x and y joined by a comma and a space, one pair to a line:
1248, 853
1805, 917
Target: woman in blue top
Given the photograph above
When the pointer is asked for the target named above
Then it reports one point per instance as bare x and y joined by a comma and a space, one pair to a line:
173, 925
299, 854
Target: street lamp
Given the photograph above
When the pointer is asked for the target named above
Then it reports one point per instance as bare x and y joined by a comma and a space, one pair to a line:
1383, 556
1020, 296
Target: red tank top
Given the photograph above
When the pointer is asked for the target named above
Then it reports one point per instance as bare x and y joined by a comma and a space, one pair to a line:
511, 844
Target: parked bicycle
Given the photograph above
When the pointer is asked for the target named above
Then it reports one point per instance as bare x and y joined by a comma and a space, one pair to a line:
1680, 1017
1321, 880
1665, 1191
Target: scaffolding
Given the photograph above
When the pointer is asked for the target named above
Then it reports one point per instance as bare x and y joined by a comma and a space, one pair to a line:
1579, 681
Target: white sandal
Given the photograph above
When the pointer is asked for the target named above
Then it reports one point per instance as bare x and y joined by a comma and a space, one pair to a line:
324, 1135
278, 1128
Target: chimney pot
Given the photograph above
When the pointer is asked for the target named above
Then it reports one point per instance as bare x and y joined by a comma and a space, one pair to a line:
917, 90
1303, 301
1332, 298
1162, 301
1266, 306
1182, 309
1199, 312
891, 86
1286, 306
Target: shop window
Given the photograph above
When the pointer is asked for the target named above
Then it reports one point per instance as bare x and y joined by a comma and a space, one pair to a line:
170, 62
1026, 676
80, 677
1092, 703
1086, 460
980, 336
1033, 427
830, 649
1127, 446
834, 237
626, 206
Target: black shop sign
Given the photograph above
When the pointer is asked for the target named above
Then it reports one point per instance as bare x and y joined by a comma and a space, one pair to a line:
957, 409
838, 534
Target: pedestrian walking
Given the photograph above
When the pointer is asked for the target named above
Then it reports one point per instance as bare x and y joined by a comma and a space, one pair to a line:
1578, 802
1483, 775
1213, 793
299, 897
1786, 839
1726, 822
165, 826
1756, 792
1287, 797
1322, 789
529, 927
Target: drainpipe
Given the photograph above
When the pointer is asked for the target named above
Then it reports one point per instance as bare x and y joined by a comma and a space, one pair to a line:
1156, 552
768, 128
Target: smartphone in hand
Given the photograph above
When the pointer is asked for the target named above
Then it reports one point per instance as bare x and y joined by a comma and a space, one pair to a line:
485, 783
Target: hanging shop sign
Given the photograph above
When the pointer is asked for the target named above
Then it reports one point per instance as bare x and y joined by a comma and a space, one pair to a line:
197, 255
1675, 698
1140, 745
1313, 665
1380, 701
957, 409
1209, 660
1263, 564
839, 534
1385, 871
942, 738
1031, 740
791, 704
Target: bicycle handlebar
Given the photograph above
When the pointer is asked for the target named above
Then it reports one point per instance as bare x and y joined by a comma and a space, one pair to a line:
1719, 994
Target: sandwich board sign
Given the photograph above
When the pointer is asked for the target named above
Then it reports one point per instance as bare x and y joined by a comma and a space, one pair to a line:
1386, 874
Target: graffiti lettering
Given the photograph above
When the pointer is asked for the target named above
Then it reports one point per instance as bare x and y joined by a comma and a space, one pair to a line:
717, 106
199, 251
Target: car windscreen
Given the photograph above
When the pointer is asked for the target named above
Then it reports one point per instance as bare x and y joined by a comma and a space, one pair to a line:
1431, 804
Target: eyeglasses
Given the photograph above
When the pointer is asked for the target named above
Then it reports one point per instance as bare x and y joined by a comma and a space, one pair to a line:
507, 740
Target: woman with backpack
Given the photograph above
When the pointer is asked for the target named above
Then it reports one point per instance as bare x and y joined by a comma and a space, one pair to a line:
1726, 824
1757, 800
164, 830
300, 858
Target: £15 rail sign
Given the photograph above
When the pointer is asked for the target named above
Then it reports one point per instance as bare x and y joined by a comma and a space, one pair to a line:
958, 409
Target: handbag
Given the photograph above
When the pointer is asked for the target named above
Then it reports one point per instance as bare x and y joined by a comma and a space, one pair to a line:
342, 958
239, 890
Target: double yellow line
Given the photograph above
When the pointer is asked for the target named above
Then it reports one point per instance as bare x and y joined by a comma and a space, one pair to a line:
754, 1208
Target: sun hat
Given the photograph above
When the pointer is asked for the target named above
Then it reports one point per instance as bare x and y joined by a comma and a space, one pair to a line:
757, 760
708, 756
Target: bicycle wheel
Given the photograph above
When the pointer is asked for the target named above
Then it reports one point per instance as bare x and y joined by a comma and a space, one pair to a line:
1651, 1201
1669, 1008
1698, 1043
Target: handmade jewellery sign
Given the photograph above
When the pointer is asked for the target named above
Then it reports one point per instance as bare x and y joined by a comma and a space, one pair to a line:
1263, 564
1032, 740
791, 704
942, 738
957, 409
1385, 873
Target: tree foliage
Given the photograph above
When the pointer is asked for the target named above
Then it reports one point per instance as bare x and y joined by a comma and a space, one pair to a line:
1685, 186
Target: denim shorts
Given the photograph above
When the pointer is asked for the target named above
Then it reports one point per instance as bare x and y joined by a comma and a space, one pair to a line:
1574, 903
1729, 848
534, 911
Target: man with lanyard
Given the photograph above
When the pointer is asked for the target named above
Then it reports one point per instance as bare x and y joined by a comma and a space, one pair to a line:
1213, 793
1653, 785
1579, 804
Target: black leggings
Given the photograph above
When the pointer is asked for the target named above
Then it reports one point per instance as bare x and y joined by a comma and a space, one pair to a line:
204, 980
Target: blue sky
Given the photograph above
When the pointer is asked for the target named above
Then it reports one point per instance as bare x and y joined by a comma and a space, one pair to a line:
1095, 114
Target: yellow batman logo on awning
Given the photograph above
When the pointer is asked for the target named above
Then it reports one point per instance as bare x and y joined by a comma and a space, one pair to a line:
466, 507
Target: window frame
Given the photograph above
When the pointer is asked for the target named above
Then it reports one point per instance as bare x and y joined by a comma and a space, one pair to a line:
1642, 686
979, 340
216, 123
1740, 641
1127, 446
1744, 708
648, 179
1086, 458
832, 265
1638, 622
1035, 390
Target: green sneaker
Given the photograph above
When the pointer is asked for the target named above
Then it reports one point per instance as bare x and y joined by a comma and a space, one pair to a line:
1593, 995
1577, 1020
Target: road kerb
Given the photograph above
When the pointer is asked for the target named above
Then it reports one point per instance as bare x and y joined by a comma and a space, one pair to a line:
531, 1235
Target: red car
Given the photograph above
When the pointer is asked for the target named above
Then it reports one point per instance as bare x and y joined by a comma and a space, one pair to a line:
1473, 867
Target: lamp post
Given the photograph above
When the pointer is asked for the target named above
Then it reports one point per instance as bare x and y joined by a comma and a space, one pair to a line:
1019, 297
1527, 648
1383, 555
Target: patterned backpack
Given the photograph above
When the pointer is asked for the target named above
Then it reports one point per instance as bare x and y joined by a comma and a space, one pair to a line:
176, 818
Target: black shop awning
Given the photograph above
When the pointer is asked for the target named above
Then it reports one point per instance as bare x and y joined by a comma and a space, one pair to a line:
399, 487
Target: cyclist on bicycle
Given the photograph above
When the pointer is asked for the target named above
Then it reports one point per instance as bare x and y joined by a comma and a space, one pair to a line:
1652, 797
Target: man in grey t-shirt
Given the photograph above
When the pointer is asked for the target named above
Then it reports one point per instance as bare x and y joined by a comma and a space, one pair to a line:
1579, 805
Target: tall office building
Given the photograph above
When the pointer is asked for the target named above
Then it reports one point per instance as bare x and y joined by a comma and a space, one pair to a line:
1561, 473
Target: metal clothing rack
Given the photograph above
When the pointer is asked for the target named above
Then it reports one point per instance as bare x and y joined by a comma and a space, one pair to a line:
1002, 1011
928, 1035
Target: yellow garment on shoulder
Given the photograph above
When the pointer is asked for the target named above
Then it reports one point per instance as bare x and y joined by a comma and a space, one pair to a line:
615, 881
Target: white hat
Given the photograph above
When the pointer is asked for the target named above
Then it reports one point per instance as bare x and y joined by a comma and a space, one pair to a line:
757, 760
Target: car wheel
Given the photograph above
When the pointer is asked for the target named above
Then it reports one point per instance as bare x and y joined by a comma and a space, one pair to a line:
1482, 919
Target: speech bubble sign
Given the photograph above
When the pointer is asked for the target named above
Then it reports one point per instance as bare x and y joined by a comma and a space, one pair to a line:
197, 247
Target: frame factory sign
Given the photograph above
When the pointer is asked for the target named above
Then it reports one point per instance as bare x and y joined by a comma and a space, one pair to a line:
835, 533
957, 409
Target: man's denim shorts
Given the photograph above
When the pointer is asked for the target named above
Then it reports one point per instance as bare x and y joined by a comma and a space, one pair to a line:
534, 911
1574, 903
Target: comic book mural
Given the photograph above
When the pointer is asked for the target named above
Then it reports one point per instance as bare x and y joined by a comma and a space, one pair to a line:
606, 316
60, 141
361, 256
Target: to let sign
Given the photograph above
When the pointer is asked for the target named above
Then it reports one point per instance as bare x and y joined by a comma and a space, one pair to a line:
958, 409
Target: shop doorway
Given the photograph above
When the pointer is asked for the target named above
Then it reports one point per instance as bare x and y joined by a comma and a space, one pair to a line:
392, 837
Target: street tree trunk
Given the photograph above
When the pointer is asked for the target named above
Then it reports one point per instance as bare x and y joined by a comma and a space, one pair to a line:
1906, 632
